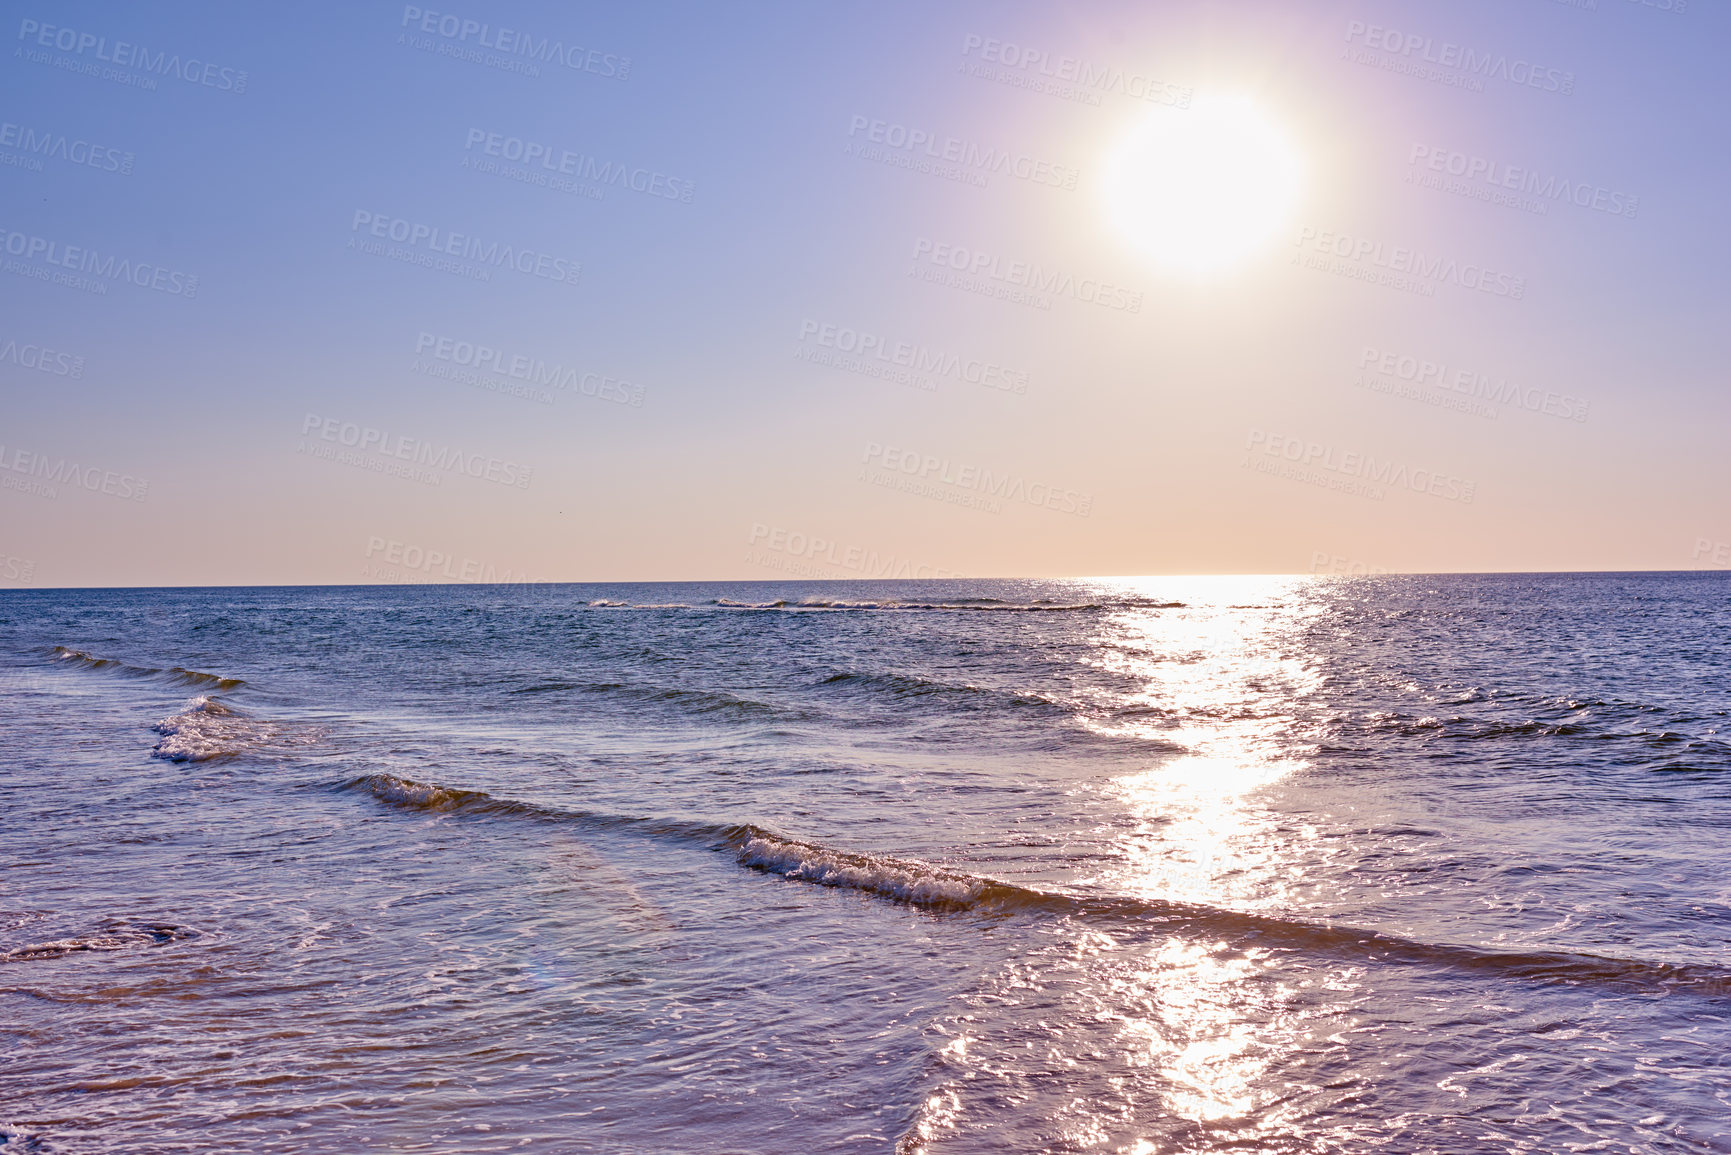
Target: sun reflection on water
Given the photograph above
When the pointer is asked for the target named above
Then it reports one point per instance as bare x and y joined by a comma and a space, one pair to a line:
1207, 1065
1216, 681
1185, 1036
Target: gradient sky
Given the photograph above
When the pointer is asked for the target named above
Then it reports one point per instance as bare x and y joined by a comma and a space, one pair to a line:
703, 435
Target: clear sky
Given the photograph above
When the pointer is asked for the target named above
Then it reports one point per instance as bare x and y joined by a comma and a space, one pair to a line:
338, 293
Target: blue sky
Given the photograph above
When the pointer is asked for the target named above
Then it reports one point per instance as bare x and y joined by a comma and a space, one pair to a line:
699, 413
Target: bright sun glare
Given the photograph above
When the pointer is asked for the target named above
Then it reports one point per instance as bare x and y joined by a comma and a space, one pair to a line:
1198, 190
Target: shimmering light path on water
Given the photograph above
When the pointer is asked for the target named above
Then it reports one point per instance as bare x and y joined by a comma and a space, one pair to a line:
1398, 864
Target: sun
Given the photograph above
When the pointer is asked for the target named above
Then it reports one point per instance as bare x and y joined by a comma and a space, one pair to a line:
1199, 190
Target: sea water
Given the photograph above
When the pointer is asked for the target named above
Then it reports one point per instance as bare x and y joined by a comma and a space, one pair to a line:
1287, 864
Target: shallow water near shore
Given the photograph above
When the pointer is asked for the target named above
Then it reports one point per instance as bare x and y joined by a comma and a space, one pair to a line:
1394, 864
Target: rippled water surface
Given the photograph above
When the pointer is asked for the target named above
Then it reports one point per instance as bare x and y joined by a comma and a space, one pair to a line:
1395, 864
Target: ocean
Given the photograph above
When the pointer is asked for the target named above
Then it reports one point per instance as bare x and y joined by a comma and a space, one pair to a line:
1271, 864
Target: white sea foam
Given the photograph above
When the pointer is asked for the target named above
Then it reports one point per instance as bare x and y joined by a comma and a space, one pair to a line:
908, 881
207, 728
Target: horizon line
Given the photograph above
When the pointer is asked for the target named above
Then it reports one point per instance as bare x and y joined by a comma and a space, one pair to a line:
862, 581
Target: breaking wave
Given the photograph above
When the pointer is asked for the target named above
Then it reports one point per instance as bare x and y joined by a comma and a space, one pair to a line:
909, 882
175, 675
940, 889
412, 795
209, 728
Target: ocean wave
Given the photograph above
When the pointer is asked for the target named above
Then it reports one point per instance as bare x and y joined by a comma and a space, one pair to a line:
412, 795
207, 728
914, 686
694, 702
818, 700
1697, 756
988, 605
941, 889
408, 794
936, 888
908, 882
1641, 737
113, 936
754, 846
174, 675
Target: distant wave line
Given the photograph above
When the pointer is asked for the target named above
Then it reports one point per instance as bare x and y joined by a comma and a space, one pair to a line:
939, 889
